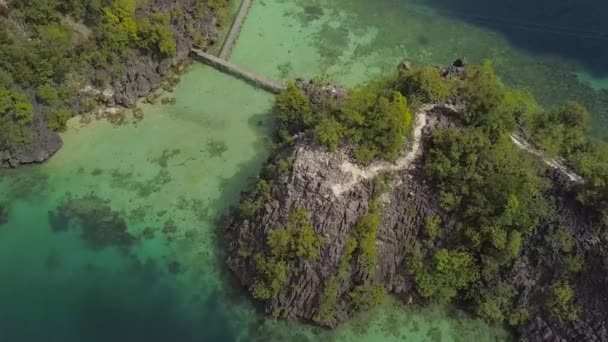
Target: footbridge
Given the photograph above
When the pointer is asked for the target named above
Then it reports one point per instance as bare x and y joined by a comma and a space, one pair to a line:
222, 62
229, 68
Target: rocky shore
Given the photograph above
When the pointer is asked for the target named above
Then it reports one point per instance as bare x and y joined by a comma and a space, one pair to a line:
141, 74
407, 200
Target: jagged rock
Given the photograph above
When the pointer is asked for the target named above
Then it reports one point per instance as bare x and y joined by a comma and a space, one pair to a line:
411, 198
44, 143
322, 183
321, 92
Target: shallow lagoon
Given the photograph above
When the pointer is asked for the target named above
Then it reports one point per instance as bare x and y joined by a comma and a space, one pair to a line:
169, 177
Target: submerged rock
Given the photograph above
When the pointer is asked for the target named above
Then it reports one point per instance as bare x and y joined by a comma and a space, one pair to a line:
3, 215
101, 227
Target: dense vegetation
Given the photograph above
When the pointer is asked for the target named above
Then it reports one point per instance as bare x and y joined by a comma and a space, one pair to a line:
51, 49
495, 192
375, 120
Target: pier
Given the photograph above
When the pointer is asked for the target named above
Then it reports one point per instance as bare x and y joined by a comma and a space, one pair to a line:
229, 68
235, 29
222, 63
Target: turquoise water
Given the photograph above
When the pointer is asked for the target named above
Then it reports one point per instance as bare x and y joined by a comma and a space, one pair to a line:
116, 238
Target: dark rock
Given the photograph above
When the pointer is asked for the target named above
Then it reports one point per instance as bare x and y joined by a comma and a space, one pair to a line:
174, 267
138, 113
44, 143
322, 92
460, 63
456, 70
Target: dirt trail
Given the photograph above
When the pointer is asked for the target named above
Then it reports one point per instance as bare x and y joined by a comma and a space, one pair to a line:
556, 163
358, 173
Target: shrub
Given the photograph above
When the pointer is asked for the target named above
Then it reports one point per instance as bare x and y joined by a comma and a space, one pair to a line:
366, 297
326, 314
297, 240
432, 227
16, 112
57, 119
427, 85
561, 302
271, 274
440, 278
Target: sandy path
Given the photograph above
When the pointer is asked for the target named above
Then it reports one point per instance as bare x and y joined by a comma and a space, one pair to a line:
358, 173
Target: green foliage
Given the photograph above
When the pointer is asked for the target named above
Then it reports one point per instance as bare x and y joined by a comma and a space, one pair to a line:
561, 302
47, 94
432, 225
563, 239
518, 317
489, 104
375, 119
327, 303
44, 41
495, 303
294, 111
365, 234
560, 131
248, 207
426, 85
16, 112
57, 119
271, 274
493, 187
119, 28
366, 297
572, 264
447, 272
329, 132
155, 33
285, 165
377, 122
297, 239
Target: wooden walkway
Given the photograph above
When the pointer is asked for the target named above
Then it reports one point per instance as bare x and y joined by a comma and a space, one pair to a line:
227, 67
235, 29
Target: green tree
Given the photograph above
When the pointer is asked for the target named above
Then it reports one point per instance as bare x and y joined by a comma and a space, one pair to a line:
47, 94
16, 112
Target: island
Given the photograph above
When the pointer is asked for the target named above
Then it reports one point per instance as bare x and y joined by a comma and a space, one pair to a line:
434, 185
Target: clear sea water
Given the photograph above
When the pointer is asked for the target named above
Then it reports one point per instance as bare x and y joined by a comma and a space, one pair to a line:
169, 178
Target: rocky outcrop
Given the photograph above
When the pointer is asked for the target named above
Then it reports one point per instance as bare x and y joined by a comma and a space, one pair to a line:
409, 200
43, 144
144, 72
141, 73
315, 175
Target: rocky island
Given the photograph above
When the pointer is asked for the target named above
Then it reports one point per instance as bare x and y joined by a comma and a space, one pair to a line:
429, 199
